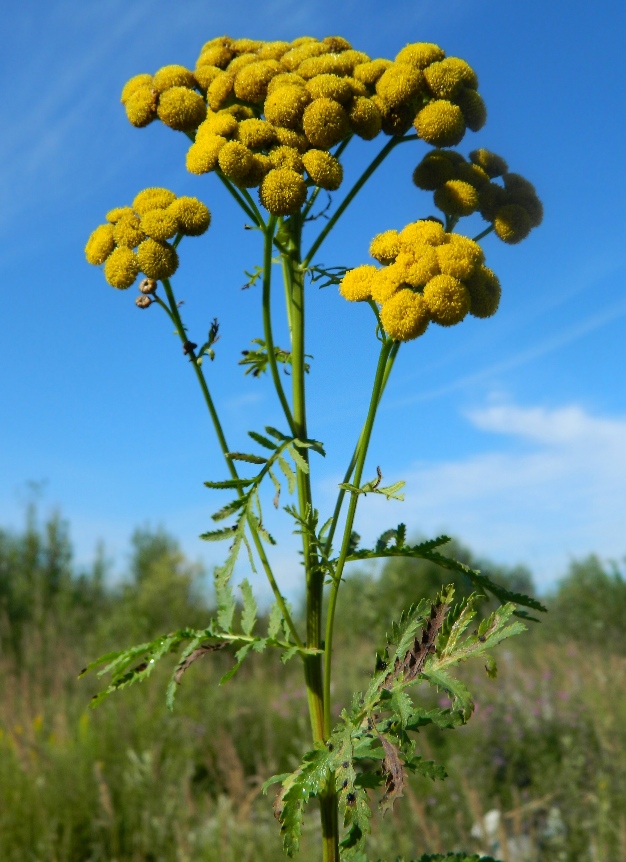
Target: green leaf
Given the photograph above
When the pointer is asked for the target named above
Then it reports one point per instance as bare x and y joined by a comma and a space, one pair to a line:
491, 667
275, 621
230, 483
290, 476
172, 686
227, 510
315, 445
459, 695
402, 705
289, 654
263, 441
278, 435
391, 492
218, 535
276, 484
240, 656
300, 463
246, 456
248, 614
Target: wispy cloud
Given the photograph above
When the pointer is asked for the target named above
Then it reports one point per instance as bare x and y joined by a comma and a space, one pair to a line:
556, 492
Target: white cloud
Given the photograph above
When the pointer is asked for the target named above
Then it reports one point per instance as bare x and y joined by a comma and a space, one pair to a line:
553, 488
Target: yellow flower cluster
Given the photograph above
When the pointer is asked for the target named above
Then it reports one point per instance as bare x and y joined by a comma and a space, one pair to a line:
248, 101
427, 275
463, 187
135, 239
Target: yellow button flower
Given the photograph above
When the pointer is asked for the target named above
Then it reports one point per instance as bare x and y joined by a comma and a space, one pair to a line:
420, 54
325, 123
235, 160
399, 85
484, 289
133, 85
447, 300
192, 216
404, 316
512, 224
282, 192
153, 198
127, 232
365, 118
440, 123
492, 164
202, 156
173, 76
181, 109
141, 106
121, 268
100, 244
457, 198
157, 259
324, 169
285, 106
356, 285
159, 224
385, 246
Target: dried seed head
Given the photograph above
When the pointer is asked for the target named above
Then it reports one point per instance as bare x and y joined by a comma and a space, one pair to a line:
148, 285
143, 301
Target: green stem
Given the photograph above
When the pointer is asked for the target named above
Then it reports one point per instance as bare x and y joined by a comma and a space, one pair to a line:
348, 473
176, 319
356, 188
486, 231
267, 321
385, 351
238, 197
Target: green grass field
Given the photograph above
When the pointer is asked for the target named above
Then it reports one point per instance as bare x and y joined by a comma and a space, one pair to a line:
539, 773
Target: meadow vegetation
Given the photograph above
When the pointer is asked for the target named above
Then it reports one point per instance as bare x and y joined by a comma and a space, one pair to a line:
539, 774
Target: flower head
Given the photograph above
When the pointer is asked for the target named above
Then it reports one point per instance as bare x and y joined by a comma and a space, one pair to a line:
447, 300
153, 198
181, 109
512, 223
440, 123
203, 155
324, 169
173, 76
386, 246
282, 192
484, 289
285, 106
141, 106
192, 216
256, 134
157, 260
492, 164
356, 285
159, 224
370, 72
133, 85
457, 198
325, 123
365, 118
251, 81
404, 315
121, 268
420, 54
100, 244
128, 232
399, 84
235, 160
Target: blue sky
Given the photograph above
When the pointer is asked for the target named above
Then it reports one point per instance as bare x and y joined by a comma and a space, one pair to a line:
510, 433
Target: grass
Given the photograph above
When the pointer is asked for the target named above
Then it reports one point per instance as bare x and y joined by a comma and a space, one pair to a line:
130, 782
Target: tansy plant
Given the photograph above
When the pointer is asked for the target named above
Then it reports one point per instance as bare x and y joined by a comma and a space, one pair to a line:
279, 117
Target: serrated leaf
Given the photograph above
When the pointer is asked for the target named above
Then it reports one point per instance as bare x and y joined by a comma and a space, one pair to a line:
315, 445
246, 456
261, 440
230, 483
218, 535
276, 484
275, 621
460, 696
289, 654
401, 705
288, 473
278, 435
240, 656
299, 461
227, 510
249, 612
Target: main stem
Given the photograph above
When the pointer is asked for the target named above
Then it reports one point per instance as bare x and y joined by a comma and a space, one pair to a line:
313, 669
